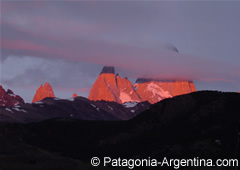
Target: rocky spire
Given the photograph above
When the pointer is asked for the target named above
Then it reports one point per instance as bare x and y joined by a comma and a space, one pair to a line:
43, 92
110, 87
108, 69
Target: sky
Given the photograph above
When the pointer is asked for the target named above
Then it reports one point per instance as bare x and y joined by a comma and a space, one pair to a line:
67, 43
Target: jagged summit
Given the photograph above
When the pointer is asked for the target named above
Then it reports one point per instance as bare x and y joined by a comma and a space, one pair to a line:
9, 99
111, 87
43, 92
108, 69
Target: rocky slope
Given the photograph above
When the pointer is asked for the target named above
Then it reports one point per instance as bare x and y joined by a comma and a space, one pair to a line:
8, 98
198, 125
43, 92
77, 108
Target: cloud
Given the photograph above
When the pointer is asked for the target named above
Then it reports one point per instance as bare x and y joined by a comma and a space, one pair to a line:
69, 42
138, 61
66, 77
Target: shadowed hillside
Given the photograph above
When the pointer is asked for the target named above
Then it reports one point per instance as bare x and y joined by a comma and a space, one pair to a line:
201, 124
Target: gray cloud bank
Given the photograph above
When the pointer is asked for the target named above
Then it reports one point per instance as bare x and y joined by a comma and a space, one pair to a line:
68, 42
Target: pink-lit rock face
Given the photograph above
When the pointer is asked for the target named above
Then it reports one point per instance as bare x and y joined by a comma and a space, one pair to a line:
154, 91
111, 87
74, 95
9, 99
43, 92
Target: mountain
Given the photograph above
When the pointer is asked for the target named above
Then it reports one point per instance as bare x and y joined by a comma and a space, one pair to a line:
111, 87
8, 98
156, 90
202, 125
77, 108
43, 92
74, 95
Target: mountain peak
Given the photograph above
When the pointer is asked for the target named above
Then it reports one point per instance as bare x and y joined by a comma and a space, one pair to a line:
46, 84
108, 69
155, 90
1, 89
43, 92
9, 99
111, 87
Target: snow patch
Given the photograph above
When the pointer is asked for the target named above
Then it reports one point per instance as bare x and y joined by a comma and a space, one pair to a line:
132, 111
124, 97
158, 91
19, 110
17, 103
57, 98
71, 99
8, 109
38, 102
129, 104
110, 107
12, 95
93, 105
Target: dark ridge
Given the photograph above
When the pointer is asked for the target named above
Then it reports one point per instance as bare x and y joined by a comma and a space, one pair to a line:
108, 69
145, 80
